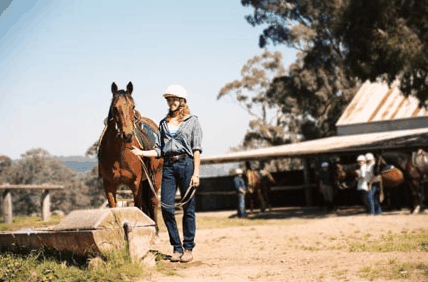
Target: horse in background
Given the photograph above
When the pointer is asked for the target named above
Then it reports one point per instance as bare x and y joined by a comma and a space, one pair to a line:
414, 166
118, 165
345, 179
258, 183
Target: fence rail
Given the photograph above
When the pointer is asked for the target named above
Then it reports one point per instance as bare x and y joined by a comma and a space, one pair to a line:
7, 209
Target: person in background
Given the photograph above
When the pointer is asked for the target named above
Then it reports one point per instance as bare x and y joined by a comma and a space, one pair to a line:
373, 186
362, 185
325, 185
241, 189
179, 142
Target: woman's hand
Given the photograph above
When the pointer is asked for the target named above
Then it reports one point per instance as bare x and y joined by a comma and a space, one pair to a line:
194, 182
137, 151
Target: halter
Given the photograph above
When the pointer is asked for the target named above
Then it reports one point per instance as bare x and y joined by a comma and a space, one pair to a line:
119, 133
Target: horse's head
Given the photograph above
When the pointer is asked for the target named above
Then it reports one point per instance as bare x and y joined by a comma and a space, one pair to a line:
122, 112
339, 172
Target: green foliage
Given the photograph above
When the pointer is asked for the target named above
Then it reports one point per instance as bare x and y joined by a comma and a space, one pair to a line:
318, 85
394, 270
388, 39
20, 222
392, 243
340, 41
47, 266
37, 166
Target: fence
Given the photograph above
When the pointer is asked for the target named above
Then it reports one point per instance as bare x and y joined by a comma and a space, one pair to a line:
7, 209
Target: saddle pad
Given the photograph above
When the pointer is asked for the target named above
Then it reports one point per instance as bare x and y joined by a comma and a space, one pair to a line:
392, 177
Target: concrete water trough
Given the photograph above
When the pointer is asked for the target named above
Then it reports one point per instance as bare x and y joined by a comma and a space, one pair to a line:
90, 232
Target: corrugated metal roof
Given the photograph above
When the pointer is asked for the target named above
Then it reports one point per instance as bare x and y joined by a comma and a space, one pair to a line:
399, 139
377, 102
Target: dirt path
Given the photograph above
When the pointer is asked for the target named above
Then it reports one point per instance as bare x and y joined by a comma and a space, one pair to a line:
297, 245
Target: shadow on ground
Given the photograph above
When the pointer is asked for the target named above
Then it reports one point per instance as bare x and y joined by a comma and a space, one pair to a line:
305, 213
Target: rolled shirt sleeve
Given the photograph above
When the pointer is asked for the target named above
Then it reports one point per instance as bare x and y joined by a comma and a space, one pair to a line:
197, 136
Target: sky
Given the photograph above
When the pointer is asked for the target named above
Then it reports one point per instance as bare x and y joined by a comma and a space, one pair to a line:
59, 58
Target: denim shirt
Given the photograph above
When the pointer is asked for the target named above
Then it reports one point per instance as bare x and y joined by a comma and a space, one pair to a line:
187, 139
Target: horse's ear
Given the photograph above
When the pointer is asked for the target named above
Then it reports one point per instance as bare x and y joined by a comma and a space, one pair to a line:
114, 88
129, 88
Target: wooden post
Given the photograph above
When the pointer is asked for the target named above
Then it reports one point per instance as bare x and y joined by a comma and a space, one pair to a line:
308, 190
46, 212
7, 206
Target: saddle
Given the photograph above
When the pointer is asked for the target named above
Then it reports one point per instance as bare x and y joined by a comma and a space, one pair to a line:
392, 176
145, 134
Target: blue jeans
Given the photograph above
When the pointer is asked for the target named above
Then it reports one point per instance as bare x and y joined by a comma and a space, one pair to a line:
241, 205
373, 200
178, 174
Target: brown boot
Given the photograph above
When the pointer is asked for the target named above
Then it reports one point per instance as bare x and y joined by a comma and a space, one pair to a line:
187, 256
176, 256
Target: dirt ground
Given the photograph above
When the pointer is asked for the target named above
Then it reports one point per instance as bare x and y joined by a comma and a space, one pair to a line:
298, 244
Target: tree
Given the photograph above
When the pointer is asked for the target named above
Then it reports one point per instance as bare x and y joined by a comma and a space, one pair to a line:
388, 39
319, 84
5, 165
269, 123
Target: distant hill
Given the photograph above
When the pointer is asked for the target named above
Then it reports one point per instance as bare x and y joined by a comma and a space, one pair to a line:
78, 163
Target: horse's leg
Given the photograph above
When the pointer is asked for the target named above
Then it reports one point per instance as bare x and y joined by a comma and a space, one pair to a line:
260, 196
137, 194
110, 190
417, 193
147, 201
251, 202
157, 170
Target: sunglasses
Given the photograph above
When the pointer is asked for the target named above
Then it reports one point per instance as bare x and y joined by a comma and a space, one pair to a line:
172, 99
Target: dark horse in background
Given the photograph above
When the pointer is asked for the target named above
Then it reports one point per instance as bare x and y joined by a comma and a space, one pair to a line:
345, 179
414, 166
118, 165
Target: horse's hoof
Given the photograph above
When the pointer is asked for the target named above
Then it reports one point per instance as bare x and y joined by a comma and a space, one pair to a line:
416, 210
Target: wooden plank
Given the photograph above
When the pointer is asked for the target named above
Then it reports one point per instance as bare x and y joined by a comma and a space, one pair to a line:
32, 187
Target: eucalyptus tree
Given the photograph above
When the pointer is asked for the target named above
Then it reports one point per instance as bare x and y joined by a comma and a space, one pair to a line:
269, 123
388, 39
319, 84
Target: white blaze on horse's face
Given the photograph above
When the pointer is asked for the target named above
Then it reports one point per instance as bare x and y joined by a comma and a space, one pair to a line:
124, 108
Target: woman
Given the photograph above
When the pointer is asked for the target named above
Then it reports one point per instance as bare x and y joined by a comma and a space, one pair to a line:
179, 143
373, 186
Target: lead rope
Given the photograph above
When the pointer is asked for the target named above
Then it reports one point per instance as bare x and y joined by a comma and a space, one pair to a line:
181, 203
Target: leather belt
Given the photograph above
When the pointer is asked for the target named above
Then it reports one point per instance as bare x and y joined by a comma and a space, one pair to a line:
176, 158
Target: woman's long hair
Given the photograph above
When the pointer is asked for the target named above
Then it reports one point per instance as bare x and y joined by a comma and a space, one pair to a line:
183, 111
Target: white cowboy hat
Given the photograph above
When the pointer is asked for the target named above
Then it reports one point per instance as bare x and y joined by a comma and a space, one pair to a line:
324, 164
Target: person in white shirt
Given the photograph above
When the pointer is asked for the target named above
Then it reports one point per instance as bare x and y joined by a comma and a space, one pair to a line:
373, 186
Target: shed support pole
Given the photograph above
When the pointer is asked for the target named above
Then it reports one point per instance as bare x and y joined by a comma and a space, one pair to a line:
308, 191
7, 206
46, 212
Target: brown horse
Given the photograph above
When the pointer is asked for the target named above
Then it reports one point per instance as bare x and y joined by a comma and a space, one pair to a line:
258, 183
118, 165
414, 166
